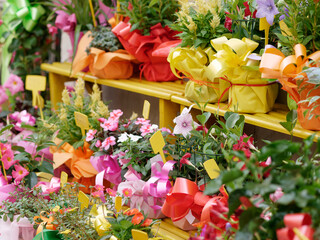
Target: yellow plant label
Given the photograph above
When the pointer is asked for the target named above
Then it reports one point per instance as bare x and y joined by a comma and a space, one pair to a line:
36, 83
83, 199
157, 143
284, 29
118, 203
264, 25
212, 168
139, 235
146, 109
82, 122
63, 179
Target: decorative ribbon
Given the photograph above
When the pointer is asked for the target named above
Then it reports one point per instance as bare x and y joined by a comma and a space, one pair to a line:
49, 187
185, 196
5, 189
298, 226
149, 49
22, 11
98, 219
106, 65
48, 235
158, 186
77, 160
288, 70
45, 221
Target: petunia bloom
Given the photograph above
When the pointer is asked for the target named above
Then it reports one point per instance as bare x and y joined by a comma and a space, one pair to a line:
14, 84
185, 160
184, 123
19, 173
267, 9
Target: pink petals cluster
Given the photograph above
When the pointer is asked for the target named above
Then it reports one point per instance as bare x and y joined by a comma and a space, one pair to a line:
7, 158
146, 127
14, 84
112, 123
22, 117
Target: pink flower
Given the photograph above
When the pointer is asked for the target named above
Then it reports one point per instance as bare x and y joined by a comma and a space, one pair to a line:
116, 114
53, 30
97, 194
108, 142
8, 159
276, 195
127, 192
1, 22
110, 124
244, 146
3, 95
111, 192
142, 121
165, 130
99, 187
90, 135
98, 144
145, 129
22, 117
19, 173
184, 123
14, 84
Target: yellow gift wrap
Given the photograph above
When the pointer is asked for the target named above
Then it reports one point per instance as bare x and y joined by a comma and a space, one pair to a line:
203, 85
247, 91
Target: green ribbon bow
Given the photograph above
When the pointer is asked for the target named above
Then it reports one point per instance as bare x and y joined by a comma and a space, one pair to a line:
48, 235
15, 12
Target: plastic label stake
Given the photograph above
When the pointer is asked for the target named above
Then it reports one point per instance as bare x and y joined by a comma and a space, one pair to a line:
36, 84
63, 179
146, 109
212, 168
139, 235
157, 144
82, 122
83, 199
118, 204
264, 25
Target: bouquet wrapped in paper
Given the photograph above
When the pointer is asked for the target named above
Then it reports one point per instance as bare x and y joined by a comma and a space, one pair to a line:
300, 84
202, 85
18, 229
235, 65
103, 64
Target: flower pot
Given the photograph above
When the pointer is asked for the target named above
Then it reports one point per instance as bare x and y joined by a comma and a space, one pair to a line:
16, 230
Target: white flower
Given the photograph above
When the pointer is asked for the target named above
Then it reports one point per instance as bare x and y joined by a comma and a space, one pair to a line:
134, 138
154, 127
123, 137
184, 122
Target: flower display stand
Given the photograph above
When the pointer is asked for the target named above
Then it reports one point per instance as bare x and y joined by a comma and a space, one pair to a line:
171, 98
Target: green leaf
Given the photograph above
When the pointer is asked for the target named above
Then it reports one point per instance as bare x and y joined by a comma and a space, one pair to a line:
8, 127
32, 179
231, 175
201, 119
234, 200
232, 120
153, 2
46, 167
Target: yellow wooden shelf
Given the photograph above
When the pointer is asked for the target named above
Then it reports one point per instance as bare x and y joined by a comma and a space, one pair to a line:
269, 120
171, 98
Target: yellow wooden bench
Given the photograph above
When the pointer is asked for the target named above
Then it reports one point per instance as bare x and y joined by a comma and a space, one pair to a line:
171, 98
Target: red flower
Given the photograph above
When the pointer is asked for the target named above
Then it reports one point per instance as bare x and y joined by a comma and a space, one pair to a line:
201, 128
247, 11
185, 160
244, 146
146, 223
228, 23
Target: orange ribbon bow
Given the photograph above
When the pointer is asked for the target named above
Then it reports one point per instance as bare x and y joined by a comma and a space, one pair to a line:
45, 221
77, 160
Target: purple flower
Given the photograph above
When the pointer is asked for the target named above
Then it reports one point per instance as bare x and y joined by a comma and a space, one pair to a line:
267, 9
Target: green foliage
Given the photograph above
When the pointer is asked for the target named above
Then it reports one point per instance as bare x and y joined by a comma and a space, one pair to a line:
199, 23
297, 179
104, 39
145, 13
303, 21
